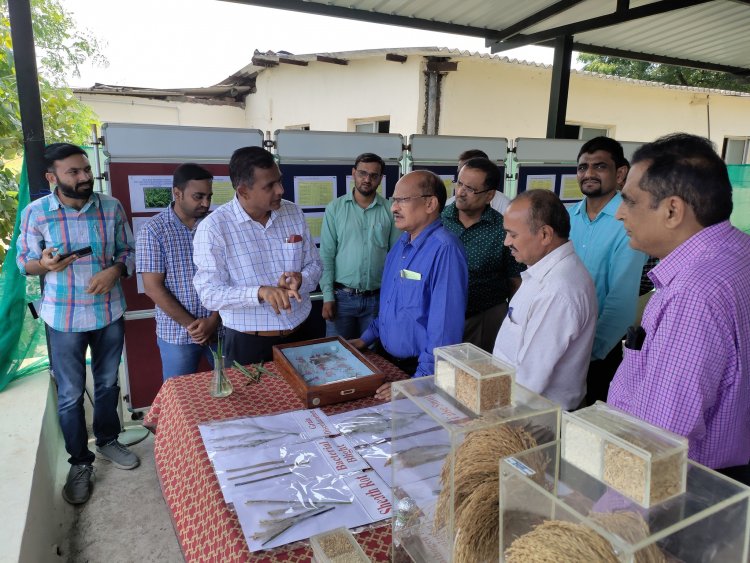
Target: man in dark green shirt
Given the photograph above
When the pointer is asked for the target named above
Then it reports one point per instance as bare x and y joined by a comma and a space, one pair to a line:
494, 275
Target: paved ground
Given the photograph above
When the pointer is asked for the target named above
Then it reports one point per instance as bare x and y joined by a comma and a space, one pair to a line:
126, 520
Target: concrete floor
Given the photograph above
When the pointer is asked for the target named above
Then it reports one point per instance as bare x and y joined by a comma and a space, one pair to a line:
126, 519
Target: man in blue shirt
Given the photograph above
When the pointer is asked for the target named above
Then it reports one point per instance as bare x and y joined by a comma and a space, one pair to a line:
164, 258
425, 281
602, 244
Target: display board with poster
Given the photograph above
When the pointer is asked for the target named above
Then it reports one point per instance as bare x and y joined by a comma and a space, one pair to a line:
141, 160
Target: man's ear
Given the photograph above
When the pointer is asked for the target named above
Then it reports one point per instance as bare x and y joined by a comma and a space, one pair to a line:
675, 211
620, 174
51, 178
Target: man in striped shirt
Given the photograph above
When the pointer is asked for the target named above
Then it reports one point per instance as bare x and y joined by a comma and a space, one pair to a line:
256, 260
81, 243
164, 257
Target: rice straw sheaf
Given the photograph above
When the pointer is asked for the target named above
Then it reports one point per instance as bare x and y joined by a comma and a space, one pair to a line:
556, 541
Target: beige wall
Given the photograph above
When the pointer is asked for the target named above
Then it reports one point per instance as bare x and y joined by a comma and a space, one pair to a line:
328, 97
488, 98
123, 109
484, 97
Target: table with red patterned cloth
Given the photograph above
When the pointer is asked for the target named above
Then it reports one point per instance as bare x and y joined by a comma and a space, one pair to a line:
206, 528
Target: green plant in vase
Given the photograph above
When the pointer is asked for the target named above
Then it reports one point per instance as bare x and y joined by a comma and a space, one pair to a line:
220, 385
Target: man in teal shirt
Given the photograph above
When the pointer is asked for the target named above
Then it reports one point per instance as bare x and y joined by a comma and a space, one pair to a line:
603, 245
357, 233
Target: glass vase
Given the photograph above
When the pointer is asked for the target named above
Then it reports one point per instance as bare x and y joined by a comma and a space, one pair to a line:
220, 385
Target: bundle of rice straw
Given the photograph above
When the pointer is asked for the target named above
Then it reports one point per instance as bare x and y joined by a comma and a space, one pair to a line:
556, 541
631, 527
476, 495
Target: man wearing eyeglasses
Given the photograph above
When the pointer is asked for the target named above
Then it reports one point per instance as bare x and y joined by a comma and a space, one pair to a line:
357, 233
603, 246
425, 281
499, 201
494, 275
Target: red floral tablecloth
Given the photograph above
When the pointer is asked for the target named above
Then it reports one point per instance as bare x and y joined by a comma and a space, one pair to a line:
206, 528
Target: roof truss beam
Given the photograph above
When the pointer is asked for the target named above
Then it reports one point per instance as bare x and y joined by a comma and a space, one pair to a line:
621, 15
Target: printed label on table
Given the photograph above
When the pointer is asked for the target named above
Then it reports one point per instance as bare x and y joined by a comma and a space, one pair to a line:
373, 493
314, 423
341, 456
442, 408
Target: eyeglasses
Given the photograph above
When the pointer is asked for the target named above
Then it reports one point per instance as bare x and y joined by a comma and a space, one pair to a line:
402, 200
362, 175
473, 191
598, 166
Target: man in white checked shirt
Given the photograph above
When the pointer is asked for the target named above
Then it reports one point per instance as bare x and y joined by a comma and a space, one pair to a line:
256, 260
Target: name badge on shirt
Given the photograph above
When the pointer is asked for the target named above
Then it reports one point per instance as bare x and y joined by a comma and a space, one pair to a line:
409, 275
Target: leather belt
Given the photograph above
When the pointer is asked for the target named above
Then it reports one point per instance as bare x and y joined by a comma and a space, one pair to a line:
270, 332
354, 291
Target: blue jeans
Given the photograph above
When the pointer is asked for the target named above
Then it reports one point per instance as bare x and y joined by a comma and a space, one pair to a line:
68, 361
181, 359
353, 314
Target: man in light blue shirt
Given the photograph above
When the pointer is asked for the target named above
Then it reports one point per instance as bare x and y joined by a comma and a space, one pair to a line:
603, 245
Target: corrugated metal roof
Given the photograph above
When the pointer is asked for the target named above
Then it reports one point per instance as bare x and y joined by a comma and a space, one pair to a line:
712, 34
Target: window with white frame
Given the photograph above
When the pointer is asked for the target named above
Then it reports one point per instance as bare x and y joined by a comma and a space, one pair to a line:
372, 125
736, 150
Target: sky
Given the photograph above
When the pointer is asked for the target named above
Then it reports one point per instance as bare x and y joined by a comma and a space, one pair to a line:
193, 43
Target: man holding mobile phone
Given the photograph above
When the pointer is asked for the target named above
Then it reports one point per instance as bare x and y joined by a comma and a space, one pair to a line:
82, 304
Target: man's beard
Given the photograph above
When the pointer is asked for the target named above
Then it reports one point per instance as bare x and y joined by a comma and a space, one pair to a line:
73, 192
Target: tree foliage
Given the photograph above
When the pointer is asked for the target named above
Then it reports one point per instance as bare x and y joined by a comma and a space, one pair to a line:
61, 48
667, 74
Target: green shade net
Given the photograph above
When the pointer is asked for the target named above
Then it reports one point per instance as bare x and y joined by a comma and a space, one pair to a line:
23, 347
739, 175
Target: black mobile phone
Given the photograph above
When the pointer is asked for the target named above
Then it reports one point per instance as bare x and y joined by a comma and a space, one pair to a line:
85, 251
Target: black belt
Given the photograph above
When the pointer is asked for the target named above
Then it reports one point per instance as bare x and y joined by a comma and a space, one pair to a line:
354, 291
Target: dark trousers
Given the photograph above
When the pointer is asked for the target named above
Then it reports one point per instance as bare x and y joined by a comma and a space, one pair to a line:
252, 349
407, 365
600, 375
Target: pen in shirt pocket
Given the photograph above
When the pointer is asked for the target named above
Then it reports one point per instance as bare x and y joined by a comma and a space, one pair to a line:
510, 314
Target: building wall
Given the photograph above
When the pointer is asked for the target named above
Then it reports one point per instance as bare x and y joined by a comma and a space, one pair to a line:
124, 109
330, 97
484, 97
499, 99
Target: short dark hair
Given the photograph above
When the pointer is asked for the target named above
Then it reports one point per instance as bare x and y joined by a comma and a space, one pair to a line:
431, 184
687, 166
243, 163
472, 153
545, 208
605, 144
60, 151
492, 172
184, 173
370, 157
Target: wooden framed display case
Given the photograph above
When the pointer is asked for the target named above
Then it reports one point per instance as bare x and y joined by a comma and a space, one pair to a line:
325, 371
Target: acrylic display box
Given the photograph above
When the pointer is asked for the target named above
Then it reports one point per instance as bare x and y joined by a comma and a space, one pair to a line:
569, 516
476, 379
328, 370
643, 462
337, 546
444, 467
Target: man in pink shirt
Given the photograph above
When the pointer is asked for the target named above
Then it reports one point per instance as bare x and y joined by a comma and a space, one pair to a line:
688, 368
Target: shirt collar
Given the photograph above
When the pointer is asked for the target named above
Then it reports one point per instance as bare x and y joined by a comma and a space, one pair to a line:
428, 230
609, 209
55, 203
686, 253
240, 215
173, 217
488, 215
379, 200
540, 270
